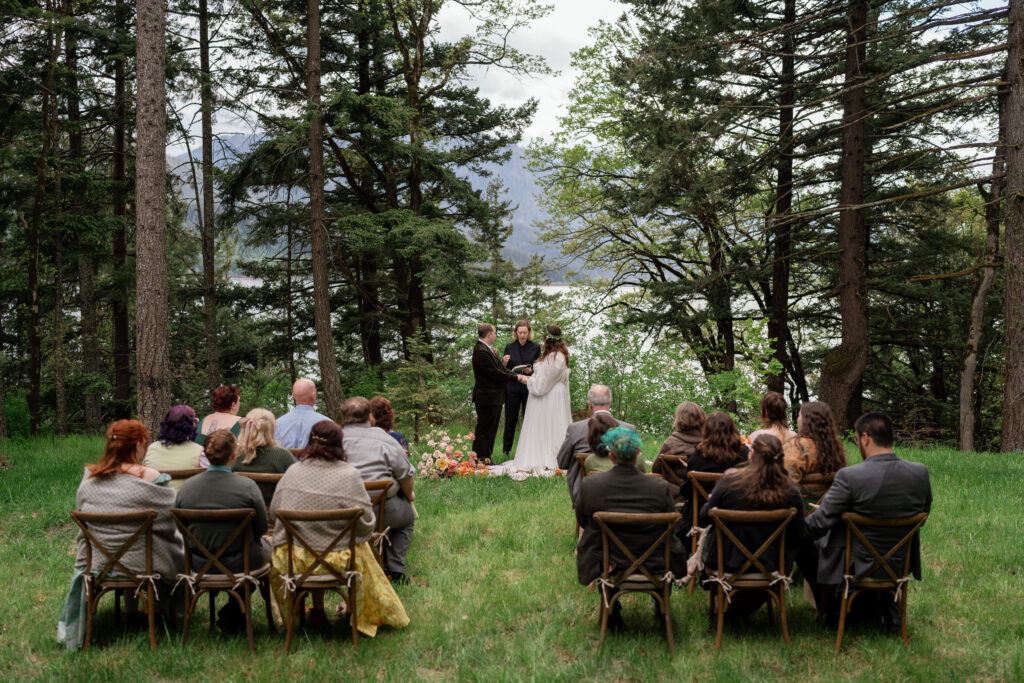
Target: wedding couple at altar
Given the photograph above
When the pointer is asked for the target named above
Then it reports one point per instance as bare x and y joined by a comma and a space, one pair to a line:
547, 404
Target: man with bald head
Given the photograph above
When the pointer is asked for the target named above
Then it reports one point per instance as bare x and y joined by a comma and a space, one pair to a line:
293, 427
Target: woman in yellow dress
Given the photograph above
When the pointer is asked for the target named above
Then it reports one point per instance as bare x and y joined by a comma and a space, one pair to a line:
323, 480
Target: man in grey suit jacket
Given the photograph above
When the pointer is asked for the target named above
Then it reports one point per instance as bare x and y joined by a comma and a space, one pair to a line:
882, 486
599, 399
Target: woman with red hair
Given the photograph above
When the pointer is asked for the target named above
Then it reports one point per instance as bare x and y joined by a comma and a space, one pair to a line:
118, 483
226, 400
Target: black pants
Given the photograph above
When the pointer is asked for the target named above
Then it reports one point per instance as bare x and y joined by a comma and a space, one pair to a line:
487, 418
514, 404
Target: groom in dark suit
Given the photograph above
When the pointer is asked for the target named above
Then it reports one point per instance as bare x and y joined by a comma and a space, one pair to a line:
490, 376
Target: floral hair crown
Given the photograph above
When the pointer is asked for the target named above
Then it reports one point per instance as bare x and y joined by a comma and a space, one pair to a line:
317, 438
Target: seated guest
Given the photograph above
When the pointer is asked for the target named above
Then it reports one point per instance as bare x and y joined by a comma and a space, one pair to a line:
623, 488
760, 485
598, 460
117, 484
377, 456
384, 417
174, 448
689, 430
323, 480
259, 452
599, 401
774, 420
815, 449
720, 449
226, 400
293, 427
882, 486
218, 489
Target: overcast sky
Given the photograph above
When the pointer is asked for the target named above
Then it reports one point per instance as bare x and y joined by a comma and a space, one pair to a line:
555, 38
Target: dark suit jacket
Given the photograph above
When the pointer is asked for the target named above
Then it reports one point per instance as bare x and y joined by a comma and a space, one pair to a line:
576, 442
490, 376
520, 354
881, 486
728, 495
622, 489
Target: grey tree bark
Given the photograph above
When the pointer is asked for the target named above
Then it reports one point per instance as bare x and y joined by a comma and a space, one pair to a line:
330, 381
153, 380
1013, 393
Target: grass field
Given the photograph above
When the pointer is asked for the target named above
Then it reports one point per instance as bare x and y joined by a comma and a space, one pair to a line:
494, 597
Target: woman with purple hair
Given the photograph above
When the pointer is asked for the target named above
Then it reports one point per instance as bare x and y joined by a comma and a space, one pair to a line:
174, 448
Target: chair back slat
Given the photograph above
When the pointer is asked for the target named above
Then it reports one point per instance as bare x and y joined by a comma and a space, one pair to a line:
608, 520
701, 483
582, 458
180, 475
262, 477
290, 518
669, 465
243, 519
854, 528
723, 518
143, 519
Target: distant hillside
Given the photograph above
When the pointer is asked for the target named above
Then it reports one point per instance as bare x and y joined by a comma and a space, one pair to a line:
519, 183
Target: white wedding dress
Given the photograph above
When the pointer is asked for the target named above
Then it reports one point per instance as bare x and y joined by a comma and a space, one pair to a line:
547, 417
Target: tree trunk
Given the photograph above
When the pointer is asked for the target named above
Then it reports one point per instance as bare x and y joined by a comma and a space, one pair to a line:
121, 321
209, 264
151, 324
1013, 393
34, 233
289, 304
842, 369
982, 284
59, 370
778, 321
321, 285
86, 266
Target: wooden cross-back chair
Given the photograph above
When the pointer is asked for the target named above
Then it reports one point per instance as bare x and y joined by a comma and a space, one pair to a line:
378, 492
582, 458
700, 490
891, 581
813, 488
637, 577
752, 574
214, 575
673, 469
114, 576
343, 581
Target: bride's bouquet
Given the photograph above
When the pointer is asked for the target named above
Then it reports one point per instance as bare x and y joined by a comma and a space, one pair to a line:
448, 456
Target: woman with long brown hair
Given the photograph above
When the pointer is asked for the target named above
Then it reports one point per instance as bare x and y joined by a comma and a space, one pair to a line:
816, 448
721, 448
774, 419
547, 410
760, 485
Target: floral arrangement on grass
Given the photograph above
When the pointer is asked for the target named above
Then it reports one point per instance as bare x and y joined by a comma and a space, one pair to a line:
448, 456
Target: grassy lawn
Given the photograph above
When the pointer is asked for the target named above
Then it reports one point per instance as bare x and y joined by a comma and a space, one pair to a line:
494, 596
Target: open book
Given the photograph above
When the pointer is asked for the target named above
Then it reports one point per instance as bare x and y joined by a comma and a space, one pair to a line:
519, 368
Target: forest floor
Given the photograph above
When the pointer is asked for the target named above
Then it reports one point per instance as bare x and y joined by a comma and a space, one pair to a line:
494, 597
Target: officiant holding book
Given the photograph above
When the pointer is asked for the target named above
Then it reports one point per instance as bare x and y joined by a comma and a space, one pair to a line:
520, 353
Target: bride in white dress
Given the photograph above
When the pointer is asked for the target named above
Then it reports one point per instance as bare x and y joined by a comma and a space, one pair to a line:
547, 410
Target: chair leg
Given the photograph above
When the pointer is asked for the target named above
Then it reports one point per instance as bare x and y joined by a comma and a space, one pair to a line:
265, 593
604, 621
213, 602
354, 619
117, 605
721, 618
843, 606
290, 621
247, 606
151, 612
771, 610
903, 616
190, 604
667, 612
90, 611
782, 614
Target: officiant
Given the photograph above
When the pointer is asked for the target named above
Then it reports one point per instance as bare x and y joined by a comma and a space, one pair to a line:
520, 353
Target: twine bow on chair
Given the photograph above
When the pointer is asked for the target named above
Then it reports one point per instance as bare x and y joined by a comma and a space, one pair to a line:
189, 579
778, 576
151, 579
246, 578
378, 538
724, 583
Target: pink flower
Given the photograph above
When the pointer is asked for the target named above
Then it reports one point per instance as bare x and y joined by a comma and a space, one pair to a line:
446, 438
470, 436
449, 449
458, 454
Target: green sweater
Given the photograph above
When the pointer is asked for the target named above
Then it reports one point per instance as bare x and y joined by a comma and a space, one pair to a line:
268, 460
219, 488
